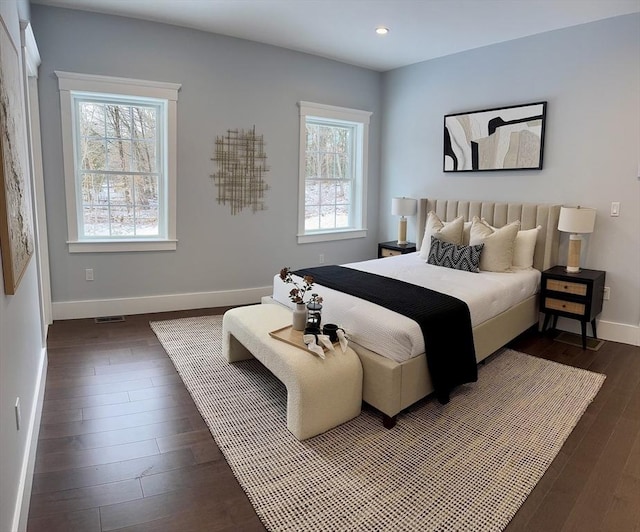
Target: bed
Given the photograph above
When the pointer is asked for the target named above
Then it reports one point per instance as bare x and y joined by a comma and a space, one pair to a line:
392, 350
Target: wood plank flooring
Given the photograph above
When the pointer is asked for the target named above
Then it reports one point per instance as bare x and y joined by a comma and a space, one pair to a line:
123, 447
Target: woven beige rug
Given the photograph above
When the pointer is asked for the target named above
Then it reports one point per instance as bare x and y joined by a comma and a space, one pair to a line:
464, 466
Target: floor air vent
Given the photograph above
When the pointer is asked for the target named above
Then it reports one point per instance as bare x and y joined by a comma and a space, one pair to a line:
109, 319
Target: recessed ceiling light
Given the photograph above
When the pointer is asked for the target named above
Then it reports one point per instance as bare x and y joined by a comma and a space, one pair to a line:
381, 30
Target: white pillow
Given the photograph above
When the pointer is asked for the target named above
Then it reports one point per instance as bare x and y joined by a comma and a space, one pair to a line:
446, 231
497, 254
524, 248
466, 233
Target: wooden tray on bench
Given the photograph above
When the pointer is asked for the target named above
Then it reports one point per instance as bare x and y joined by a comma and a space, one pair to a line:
290, 336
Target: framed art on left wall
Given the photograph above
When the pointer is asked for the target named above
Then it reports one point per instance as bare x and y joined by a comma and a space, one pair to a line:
16, 229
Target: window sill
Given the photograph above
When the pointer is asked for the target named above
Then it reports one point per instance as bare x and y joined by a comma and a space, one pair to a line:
116, 246
333, 235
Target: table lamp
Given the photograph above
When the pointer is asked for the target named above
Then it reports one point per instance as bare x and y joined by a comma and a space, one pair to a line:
403, 207
576, 220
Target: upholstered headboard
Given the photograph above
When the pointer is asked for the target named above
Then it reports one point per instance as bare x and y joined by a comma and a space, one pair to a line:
498, 214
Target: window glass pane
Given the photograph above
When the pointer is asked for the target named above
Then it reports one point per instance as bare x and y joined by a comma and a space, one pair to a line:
96, 221
91, 119
144, 122
122, 221
95, 189
327, 217
146, 190
312, 218
147, 220
344, 166
312, 138
325, 141
327, 193
144, 156
312, 165
312, 193
146, 205
118, 155
327, 165
343, 192
342, 140
118, 121
93, 154
120, 190
342, 217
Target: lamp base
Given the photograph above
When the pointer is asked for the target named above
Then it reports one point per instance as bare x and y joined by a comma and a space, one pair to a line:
573, 260
402, 231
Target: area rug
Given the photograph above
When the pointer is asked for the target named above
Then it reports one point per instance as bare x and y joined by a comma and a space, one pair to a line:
465, 466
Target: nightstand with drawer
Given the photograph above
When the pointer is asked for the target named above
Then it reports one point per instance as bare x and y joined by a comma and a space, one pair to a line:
572, 295
389, 249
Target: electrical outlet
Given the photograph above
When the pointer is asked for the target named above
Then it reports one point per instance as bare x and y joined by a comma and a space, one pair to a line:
607, 293
18, 415
615, 208
321, 258
88, 274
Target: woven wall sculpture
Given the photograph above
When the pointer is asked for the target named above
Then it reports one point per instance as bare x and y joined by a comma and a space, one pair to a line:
241, 170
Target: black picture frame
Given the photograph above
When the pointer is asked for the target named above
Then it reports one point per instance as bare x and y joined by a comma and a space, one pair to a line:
502, 138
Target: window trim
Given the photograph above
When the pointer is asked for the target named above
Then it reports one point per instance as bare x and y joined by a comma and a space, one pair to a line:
69, 82
359, 119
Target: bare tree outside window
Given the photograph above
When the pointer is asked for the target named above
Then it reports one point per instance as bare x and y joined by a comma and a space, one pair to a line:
118, 168
329, 176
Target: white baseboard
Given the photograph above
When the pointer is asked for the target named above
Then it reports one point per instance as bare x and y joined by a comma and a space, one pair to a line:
606, 330
65, 310
21, 511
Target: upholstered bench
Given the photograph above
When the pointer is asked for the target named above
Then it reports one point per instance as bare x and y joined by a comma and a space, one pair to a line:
321, 393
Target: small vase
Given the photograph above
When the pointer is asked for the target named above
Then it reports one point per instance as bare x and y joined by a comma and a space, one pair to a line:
299, 317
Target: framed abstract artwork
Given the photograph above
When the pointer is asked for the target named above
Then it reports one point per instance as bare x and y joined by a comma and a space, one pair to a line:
16, 229
505, 138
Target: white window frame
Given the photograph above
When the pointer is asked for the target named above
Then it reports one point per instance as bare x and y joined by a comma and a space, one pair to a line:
70, 83
332, 115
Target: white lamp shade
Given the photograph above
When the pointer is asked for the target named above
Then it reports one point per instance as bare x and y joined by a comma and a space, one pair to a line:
404, 206
576, 220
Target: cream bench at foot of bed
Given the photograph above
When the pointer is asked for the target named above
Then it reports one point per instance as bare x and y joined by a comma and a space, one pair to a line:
321, 393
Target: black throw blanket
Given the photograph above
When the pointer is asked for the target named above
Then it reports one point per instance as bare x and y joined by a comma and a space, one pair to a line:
444, 320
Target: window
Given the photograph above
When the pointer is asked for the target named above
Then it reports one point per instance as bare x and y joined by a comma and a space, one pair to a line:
333, 173
119, 143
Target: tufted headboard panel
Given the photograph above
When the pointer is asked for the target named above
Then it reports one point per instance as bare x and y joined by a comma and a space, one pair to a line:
498, 214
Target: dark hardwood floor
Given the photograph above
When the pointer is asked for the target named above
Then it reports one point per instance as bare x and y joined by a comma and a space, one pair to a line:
123, 447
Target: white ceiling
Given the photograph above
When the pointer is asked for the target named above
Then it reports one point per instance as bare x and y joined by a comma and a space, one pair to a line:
344, 29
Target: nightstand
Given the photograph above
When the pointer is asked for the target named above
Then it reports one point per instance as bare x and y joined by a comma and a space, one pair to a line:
572, 295
389, 249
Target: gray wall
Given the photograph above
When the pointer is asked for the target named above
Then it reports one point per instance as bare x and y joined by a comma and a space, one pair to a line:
590, 75
20, 349
226, 83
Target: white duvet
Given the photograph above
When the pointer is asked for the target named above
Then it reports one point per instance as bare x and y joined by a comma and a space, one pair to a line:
397, 337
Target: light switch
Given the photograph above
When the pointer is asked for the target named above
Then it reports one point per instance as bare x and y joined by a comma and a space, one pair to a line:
615, 208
